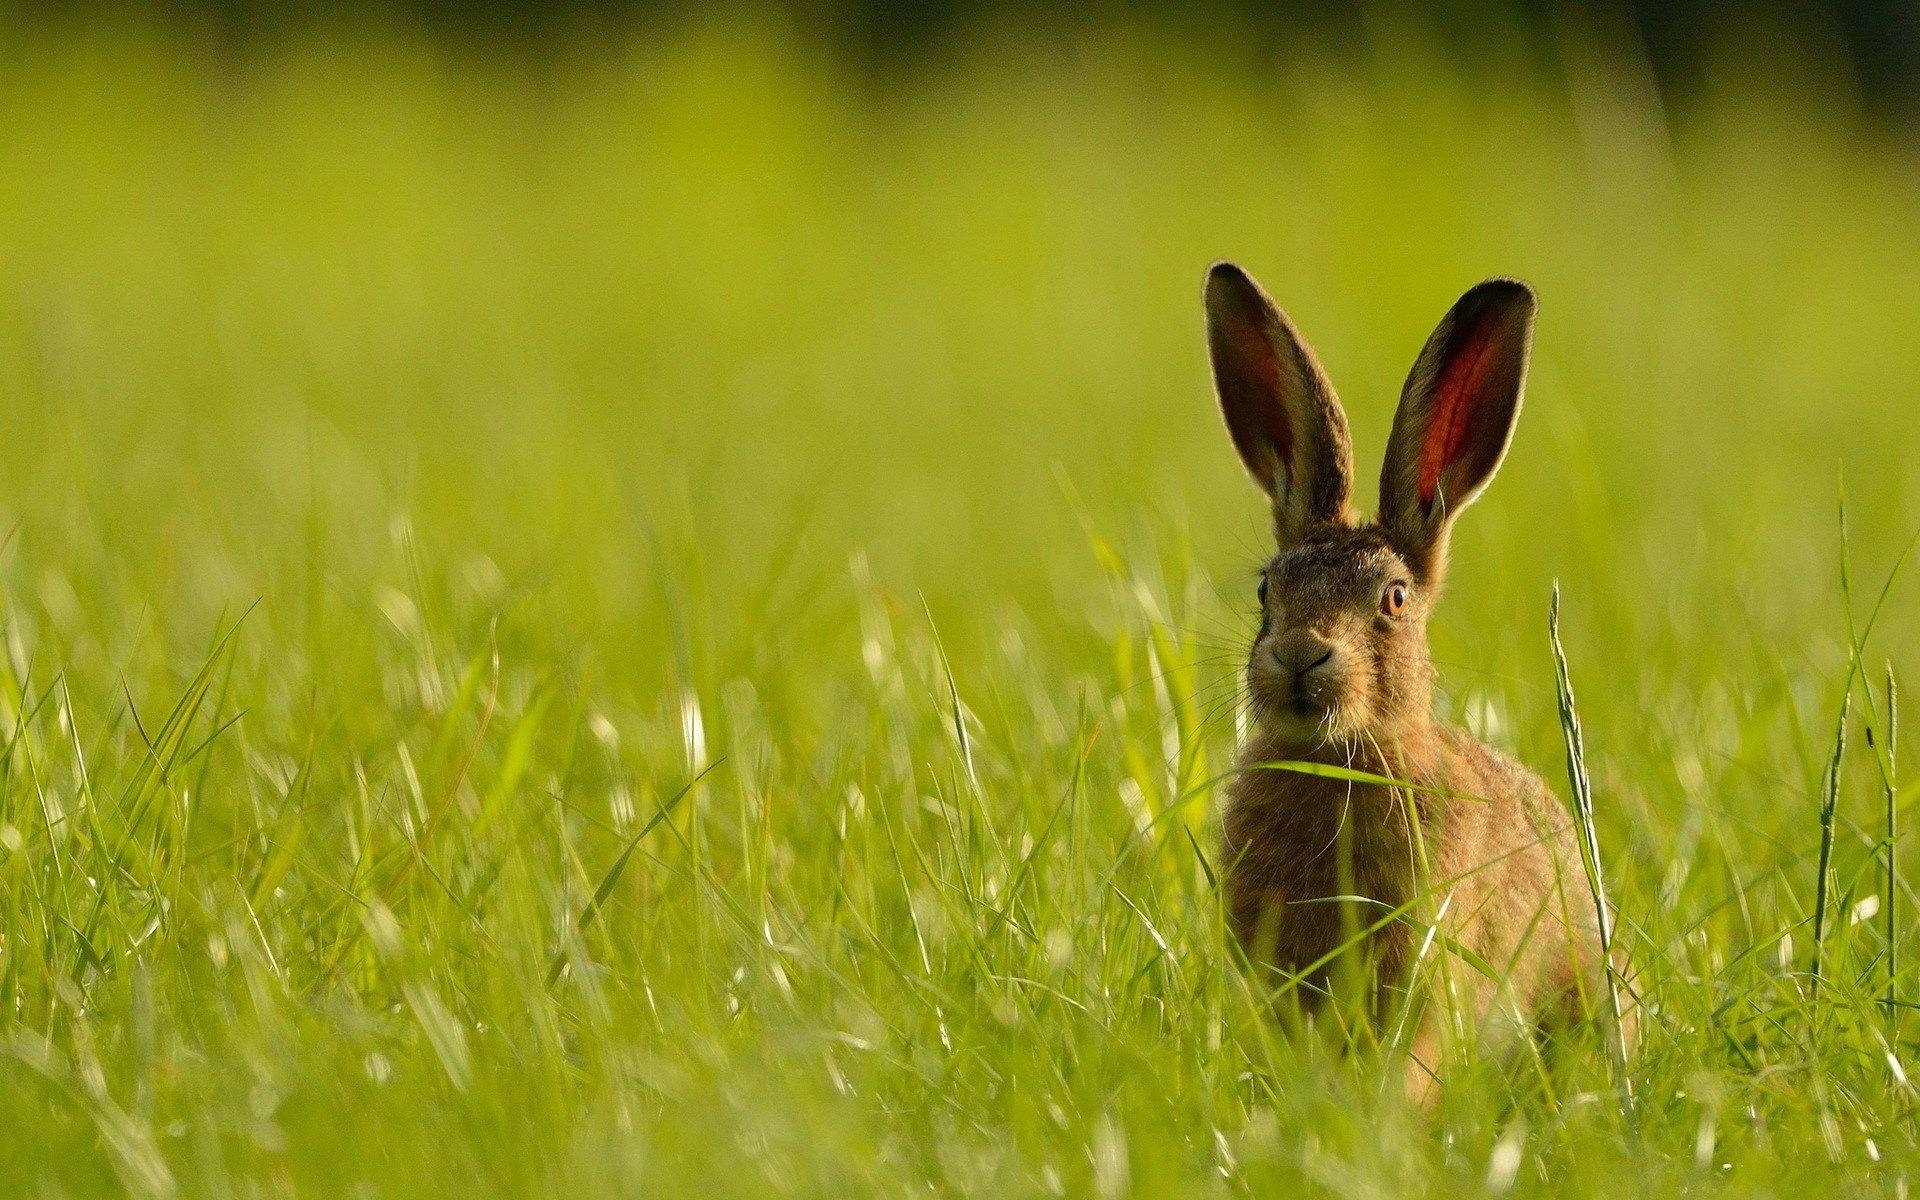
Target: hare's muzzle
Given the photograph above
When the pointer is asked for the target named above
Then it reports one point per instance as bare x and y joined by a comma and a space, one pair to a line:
1299, 653
1300, 670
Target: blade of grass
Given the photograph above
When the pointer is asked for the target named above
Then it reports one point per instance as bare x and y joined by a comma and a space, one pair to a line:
1829, 802
1582, 787
613, 873
1856, 669
1893, 838
953, 696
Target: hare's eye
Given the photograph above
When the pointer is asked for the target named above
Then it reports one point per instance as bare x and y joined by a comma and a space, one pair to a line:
1393, 601
1260, 589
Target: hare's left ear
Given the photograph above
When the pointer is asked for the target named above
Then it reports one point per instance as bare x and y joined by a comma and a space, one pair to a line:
1280, 410
1456, 418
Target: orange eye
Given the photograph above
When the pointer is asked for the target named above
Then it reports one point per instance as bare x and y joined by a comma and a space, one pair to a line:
1393, 601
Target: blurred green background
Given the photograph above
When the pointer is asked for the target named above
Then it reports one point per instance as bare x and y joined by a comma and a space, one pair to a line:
718, 271
541, 416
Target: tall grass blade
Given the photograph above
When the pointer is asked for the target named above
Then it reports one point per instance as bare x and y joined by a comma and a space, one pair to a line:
953, 697
1582, 788
1892, 902
612, 876
1829, 803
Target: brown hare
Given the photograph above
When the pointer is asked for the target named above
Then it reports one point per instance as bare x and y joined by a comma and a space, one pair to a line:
1477, 850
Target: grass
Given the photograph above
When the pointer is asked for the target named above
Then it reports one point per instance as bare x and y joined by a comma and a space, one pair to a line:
665, 621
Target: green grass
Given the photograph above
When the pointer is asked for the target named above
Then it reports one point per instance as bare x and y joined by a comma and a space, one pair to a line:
657, 624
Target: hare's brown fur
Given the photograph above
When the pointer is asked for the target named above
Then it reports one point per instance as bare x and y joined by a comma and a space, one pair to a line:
1500, 860
1340, 675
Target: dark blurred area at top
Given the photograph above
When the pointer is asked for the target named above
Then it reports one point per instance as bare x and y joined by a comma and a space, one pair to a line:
1871, 47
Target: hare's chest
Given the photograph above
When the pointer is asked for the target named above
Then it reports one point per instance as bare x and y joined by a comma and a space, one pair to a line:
1298, 851
1300, 840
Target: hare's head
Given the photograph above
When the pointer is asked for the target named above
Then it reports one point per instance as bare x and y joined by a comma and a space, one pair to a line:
1342, 647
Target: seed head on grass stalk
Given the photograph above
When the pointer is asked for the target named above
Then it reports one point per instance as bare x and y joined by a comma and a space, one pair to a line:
1582, 788
1893, 847
1829, 802
1856, 668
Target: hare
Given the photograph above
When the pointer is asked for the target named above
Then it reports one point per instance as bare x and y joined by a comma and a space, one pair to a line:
1476, 860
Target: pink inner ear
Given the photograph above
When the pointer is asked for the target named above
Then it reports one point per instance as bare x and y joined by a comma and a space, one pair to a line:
1255, 351
1462, 382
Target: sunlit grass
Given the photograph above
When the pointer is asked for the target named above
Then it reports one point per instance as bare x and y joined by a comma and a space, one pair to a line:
662, 622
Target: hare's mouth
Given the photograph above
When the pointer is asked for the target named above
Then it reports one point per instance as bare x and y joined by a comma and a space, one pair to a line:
1300, 712
1322, 716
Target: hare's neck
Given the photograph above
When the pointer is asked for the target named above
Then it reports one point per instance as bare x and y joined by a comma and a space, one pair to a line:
1308, 796
1316, 833
1400, 754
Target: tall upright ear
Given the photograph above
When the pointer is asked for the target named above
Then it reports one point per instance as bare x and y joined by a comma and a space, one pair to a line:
1456, 418
1281, 411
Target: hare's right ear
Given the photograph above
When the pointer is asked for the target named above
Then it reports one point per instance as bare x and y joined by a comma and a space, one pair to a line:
1281, 411
1456, 419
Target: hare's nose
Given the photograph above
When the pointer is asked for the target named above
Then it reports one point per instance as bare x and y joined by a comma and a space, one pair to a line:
1300, 652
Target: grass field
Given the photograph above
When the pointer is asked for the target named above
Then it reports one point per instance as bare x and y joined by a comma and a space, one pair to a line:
658, 623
